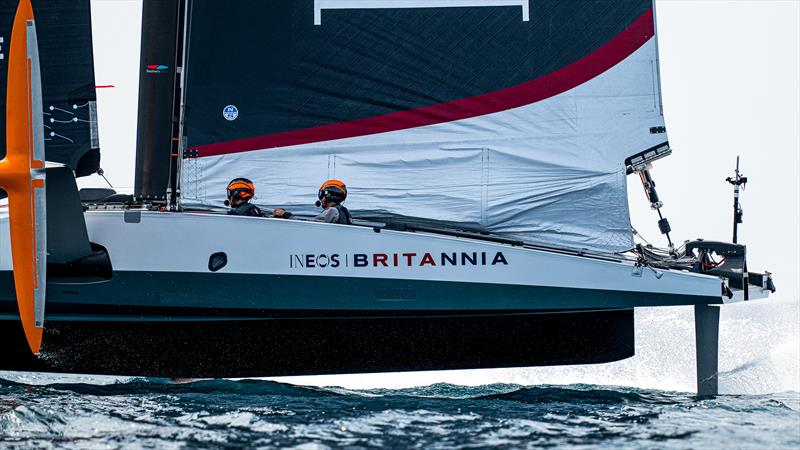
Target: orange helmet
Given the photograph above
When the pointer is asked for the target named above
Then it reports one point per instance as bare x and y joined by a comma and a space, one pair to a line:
241, 188
333, 190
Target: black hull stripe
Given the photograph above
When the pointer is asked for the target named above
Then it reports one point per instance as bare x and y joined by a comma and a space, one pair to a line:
220, 295
81, 311
309, 347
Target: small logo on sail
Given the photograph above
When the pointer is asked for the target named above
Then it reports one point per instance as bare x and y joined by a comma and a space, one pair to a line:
230, 112
156, 68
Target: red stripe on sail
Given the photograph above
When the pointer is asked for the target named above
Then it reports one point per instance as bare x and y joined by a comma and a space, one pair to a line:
544, 87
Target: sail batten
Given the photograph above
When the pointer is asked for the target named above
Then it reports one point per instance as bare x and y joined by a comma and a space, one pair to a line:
458, 115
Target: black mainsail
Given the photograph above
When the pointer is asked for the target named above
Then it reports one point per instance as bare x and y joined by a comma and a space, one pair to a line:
67, 66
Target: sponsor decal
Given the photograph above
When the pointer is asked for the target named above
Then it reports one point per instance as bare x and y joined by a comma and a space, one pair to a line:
230, 112
156, 68
427, 259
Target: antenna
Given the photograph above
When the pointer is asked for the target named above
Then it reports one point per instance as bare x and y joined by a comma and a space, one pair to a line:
737, 180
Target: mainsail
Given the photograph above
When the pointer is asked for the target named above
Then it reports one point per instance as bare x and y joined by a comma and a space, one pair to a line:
503, 116
68, 86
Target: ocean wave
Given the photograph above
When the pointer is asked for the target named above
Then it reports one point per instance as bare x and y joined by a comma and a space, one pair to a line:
148, 386
162, 413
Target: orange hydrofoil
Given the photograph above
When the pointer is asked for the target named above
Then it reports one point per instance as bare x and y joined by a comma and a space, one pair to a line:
22, 174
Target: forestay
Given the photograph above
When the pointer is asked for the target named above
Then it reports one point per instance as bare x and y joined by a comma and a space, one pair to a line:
511, 117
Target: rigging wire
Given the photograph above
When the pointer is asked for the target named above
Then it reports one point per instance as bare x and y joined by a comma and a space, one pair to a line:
101, 172
636, 233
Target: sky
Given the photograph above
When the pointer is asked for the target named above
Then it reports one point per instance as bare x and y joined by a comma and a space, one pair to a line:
730, 76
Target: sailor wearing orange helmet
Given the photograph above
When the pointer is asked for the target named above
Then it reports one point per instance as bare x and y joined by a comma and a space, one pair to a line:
240, 192
331, 195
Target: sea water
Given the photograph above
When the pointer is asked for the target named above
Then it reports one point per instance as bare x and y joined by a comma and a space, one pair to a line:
645, 401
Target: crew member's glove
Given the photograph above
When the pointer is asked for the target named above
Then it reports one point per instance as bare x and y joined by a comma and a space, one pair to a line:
281, 213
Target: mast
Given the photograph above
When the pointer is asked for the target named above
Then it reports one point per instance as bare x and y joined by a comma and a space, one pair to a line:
178, 139
159, 108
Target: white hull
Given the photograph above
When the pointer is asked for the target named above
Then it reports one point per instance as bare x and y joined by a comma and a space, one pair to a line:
155, 242
298, 297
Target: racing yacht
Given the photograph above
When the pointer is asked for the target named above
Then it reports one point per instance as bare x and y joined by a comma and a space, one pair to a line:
485, 145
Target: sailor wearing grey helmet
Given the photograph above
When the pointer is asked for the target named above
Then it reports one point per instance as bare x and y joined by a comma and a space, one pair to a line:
330, 196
